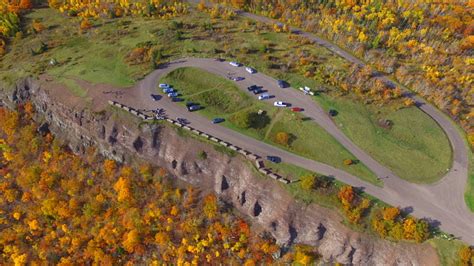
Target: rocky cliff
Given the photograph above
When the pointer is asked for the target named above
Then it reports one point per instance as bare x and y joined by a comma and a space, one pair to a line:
264, 201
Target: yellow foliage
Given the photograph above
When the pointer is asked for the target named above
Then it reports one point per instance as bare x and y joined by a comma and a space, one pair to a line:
17, 215
34, 225
122, 187
131, 240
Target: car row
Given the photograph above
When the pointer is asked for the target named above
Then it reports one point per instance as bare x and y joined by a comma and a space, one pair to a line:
248, 69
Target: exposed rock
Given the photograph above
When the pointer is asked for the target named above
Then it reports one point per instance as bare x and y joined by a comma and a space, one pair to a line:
43, 129
232, 178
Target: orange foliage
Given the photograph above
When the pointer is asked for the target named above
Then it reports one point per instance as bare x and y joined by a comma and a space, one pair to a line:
390, 213
85, 211
346, 195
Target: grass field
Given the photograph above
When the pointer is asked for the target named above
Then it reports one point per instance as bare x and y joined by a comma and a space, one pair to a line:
469, 194
222, 98
415, 147
447, 250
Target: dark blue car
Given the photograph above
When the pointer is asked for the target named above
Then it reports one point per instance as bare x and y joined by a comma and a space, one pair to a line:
252, 88
194, 108
155, 97
218, 120
274, 159
282, 84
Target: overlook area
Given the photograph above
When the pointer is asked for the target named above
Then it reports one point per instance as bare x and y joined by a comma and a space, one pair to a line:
354, 109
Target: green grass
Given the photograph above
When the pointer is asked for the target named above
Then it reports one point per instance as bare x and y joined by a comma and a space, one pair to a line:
447, 250
326, 198
96, 56
469, 194
216, 93
75, 88
221, 98
415, 147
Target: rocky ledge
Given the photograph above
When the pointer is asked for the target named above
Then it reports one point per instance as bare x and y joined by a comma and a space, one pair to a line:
262, 200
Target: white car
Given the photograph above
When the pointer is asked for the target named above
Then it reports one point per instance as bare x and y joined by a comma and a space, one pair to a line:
234, 64
250, 70
280, 104
264, 96
164, 86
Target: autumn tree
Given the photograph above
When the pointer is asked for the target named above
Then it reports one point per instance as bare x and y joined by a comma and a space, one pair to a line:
390, 213
346, 195
25, 4
466, 255
85, 24
282, 138
210, 206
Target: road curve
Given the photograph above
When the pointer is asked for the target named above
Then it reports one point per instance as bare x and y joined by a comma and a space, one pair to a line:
432, 202
449, 191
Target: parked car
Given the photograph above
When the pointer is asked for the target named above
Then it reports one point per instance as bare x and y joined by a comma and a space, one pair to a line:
220, 59
164, 86
194, 108
218, 120
280, 104
188, 104
297, 109
237, 78
155, 97
252, 88
172, 94
274, 159
332, 112
250, 70
168, 90
282, 84
235, 64
257, 91
264, 96
176, 99
182, 121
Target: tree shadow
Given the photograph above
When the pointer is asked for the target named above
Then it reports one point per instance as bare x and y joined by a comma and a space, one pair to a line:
291, 138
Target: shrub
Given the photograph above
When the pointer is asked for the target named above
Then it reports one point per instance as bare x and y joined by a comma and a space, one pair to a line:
241, 119
202, 155
282, 138
348, 162
308, 182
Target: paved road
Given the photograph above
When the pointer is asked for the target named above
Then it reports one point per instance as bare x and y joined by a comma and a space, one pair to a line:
439, 202
448, 193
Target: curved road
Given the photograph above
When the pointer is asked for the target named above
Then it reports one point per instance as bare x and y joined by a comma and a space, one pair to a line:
451, 188
442, 202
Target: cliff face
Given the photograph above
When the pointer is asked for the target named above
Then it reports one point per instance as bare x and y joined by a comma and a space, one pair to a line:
264, 201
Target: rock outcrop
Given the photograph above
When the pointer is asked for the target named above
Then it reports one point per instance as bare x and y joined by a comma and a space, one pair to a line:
264, 201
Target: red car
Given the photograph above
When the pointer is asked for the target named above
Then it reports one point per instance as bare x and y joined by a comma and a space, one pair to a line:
297, 109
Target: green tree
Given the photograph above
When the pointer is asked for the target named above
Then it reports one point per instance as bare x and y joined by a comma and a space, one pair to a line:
241, 119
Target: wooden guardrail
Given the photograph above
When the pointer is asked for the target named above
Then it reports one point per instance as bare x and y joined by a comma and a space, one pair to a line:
249, 155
